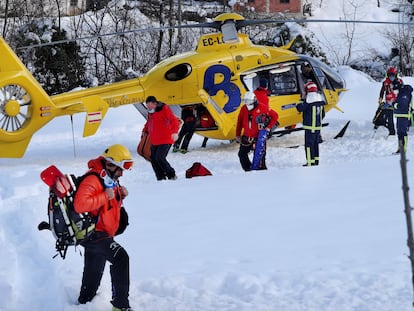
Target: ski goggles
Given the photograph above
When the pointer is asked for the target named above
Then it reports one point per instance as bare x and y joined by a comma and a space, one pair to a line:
124, 164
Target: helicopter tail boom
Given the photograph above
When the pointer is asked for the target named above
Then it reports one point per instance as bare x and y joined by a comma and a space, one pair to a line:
25, 107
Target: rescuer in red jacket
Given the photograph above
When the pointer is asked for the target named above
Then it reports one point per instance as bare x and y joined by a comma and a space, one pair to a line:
101, 195
162, 127
247, 128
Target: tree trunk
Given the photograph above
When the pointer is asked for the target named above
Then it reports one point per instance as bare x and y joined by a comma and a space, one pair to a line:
6, 11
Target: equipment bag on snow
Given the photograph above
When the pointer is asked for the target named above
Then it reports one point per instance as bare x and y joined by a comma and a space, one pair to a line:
197, 169
68, 227
379, 117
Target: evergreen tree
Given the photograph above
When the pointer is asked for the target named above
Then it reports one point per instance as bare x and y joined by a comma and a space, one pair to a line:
58, 68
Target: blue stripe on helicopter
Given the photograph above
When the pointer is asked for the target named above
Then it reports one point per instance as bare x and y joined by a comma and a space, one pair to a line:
289, 106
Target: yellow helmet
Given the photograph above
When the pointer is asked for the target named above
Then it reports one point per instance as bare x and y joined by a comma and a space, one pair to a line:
118, 155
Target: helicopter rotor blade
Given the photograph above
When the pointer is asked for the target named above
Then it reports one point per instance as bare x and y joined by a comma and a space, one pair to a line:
216, 25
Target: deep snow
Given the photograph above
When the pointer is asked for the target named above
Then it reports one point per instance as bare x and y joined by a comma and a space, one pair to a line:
331, 237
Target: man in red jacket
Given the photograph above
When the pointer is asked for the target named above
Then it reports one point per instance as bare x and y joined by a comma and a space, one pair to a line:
101, 195
247, 128
262, 93
163, 127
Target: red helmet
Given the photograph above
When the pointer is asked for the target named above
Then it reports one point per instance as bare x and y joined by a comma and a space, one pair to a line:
392, 71
310, 87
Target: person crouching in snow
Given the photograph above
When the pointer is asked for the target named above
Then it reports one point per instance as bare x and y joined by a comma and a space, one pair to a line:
312, 115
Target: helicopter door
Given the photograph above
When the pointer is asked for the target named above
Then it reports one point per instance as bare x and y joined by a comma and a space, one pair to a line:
216, 112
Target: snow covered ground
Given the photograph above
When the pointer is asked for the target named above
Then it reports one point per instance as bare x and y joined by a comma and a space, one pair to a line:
292, 238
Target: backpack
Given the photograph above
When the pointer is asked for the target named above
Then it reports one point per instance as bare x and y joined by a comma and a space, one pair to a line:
68, 226
197, 169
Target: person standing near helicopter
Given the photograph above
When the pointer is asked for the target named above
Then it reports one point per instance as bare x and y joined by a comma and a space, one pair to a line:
403, 113
384, 116
162, 126
312, 113
247, 128
262, 92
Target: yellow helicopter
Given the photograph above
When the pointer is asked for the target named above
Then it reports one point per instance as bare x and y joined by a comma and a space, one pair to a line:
213, 78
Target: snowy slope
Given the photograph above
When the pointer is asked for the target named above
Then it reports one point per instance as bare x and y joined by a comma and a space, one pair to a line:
331, 237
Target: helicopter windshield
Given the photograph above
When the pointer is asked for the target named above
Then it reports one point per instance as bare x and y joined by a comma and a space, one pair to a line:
289, 78
324, 72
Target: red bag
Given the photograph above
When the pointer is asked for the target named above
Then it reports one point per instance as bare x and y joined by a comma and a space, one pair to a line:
144, 147
206, 120
197, 169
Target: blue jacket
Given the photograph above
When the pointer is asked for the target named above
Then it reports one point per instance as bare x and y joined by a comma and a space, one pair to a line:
313, 112
402, 105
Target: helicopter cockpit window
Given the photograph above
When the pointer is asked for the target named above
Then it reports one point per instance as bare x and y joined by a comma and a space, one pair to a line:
178, 72
283, 81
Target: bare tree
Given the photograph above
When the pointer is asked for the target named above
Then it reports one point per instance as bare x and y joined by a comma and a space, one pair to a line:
343, 49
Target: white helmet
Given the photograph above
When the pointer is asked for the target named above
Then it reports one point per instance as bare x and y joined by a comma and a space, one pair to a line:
250, 100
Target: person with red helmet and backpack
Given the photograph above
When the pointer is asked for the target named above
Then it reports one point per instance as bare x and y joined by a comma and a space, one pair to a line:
384, 115
312, 114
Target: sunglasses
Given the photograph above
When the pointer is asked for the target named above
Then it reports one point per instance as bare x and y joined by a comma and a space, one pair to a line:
124, 164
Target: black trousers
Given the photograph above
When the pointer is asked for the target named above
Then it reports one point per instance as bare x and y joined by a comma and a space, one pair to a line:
160, 165
403, 125
185, 135
98, 250
247, 145
312, 139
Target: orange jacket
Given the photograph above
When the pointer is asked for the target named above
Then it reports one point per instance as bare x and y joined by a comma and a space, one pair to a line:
91, 197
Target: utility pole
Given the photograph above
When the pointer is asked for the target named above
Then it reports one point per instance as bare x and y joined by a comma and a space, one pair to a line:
407, 210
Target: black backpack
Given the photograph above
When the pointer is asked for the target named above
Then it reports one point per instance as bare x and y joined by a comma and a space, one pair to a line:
68, 226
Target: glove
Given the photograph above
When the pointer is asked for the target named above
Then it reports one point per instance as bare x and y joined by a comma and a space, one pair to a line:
108, 181
238, 139
379, 101
174, 136
124, 192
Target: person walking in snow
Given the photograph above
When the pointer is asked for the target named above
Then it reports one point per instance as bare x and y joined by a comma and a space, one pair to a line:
247, 129
103, 199
403, 113
312, 115
389, 90
162, 126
